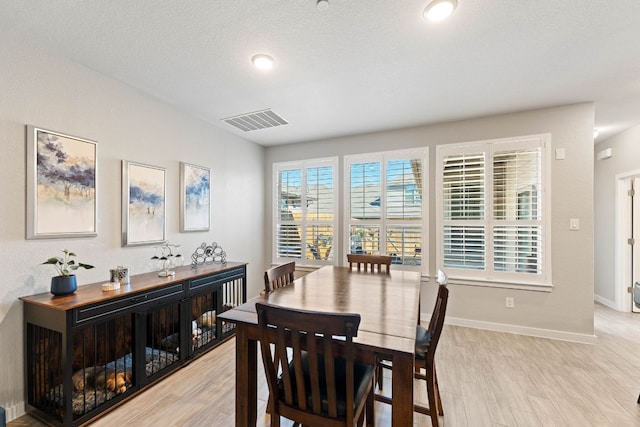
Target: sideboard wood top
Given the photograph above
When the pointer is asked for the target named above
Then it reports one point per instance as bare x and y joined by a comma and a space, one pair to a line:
93, 293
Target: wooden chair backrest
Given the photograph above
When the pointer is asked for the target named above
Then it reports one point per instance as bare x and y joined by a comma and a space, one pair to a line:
285, 343
369, 262
279, 276
437, 320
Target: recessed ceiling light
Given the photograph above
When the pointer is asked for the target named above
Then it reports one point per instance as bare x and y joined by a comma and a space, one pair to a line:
439, 10
322, 4
263, 62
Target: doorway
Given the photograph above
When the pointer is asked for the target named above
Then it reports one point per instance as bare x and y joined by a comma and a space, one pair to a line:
627, 240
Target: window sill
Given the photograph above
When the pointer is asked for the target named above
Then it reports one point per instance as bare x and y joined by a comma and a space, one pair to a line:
526, 286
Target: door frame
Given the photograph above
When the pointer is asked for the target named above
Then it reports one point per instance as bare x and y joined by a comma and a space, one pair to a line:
623, 252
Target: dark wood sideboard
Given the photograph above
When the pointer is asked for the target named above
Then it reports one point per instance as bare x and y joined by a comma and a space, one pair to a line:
94, 349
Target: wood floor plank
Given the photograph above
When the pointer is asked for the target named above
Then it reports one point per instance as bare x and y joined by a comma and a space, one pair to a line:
454, 412
546, 412
475, 404
571, 414
499, 410
525, 418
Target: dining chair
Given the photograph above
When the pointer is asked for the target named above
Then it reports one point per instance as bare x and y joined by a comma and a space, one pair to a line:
279, 276
425, 349
369, 262
309, 364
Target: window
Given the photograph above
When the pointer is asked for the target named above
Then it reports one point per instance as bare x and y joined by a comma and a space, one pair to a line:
385, 211
492, 209
305, 205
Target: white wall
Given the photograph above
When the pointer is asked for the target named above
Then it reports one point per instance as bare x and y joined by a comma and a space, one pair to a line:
625, 160
40, 89
567, 311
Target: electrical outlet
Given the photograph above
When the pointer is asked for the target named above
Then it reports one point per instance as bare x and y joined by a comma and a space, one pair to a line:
510, 302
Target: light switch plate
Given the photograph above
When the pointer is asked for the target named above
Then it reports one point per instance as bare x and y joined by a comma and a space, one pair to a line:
559, 153
574, 224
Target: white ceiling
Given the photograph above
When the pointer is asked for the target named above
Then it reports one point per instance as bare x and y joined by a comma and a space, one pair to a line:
359, 66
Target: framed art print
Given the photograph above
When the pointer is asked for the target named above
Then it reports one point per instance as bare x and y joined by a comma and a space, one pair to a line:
61, 185
195, 198
143, 204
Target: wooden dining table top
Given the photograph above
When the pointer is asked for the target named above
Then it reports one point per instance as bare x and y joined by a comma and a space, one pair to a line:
387, 303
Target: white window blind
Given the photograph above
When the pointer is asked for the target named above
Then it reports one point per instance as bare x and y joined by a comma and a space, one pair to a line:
385, 213
305, 218
517, 231
491, 205
365, 190
463, 179
464, 247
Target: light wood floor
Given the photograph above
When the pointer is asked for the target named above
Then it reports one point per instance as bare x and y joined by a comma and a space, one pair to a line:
486, 378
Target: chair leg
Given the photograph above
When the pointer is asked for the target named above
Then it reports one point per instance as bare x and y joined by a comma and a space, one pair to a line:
275, 420
431, 395
433, 392
379, 374
369, 409
438, 398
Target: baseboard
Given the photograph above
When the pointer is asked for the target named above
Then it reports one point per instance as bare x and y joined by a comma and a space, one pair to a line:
606, 302
14, 411
521, 330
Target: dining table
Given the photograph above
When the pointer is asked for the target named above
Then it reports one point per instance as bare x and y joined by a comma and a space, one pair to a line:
388, 305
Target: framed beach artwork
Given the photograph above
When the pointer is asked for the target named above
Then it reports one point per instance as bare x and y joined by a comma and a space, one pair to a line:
195, 198
143, 204
61, 185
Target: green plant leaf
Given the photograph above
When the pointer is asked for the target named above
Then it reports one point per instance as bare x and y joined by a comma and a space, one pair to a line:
65, 265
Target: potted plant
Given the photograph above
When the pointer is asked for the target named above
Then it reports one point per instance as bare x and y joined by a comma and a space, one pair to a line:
65, 283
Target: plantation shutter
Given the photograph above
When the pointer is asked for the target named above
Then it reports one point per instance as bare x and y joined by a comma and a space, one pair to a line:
463, 196
492, 209
385, 211
517, 207
404, 208
289, 242
305, 211
320, 209
365, 191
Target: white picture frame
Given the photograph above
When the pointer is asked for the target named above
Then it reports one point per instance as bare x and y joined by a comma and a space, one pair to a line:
61, 185
195, 198
144, 208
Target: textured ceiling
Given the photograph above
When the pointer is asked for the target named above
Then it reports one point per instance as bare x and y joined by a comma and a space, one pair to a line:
359, 66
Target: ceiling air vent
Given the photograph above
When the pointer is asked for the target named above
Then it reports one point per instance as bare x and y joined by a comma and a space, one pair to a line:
257, 120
